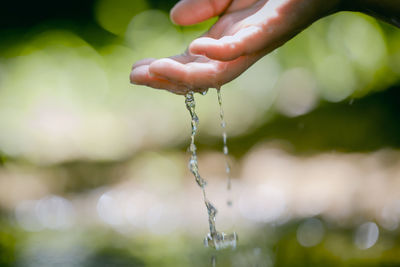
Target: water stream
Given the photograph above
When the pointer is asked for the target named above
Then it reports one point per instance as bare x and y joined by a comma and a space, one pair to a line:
225, 147
215, 239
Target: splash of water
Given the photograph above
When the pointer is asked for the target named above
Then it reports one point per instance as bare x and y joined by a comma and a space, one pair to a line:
215, 239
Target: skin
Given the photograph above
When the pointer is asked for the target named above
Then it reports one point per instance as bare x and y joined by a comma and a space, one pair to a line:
246, 31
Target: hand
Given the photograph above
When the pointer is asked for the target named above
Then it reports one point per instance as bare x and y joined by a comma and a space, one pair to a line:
246, 31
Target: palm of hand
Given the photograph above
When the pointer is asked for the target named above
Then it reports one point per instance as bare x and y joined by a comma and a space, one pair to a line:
197, 72
247, 30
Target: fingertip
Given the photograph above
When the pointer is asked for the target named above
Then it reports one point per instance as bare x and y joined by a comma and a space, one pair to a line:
214, 49
165, 65
173, 16
157, 66
142, 62
134, 75
189, 12
179, 14
196, 51
201, 45
140, 75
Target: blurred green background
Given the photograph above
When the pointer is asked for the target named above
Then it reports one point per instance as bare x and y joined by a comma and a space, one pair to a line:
93, 170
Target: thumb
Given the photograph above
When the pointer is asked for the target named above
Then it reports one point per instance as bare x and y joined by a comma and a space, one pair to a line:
188, 12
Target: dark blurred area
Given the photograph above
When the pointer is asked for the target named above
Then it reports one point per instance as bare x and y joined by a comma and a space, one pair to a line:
25, 14
93, 170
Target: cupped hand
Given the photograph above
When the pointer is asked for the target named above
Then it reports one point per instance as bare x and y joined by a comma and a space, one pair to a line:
246, 31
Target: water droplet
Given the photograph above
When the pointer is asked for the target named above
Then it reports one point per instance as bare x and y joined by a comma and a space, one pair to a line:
227, 168
224, 139
226, 150
204, 92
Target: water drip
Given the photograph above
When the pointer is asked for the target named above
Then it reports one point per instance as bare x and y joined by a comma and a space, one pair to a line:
215, 239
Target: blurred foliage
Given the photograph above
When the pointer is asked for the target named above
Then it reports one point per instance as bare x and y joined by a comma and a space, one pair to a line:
8, 241
365, 124
275, 246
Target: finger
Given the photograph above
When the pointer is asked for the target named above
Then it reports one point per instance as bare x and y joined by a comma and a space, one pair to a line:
188, 12
194, 75
246, 41
169, 69
142, 62
141, 76
184, 58
199, 75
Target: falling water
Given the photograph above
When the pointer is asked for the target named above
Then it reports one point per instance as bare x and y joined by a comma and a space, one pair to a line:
215, 239
213, 261
225, 146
